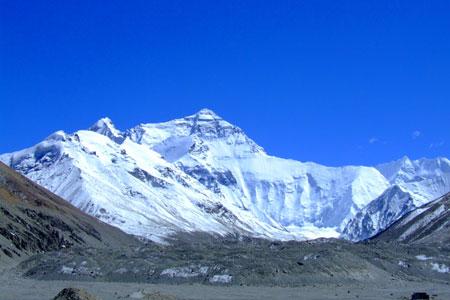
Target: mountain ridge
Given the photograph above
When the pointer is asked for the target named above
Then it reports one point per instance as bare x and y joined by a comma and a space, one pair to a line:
225, 181
427, 224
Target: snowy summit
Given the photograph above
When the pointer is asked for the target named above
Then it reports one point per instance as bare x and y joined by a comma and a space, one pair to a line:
201, 173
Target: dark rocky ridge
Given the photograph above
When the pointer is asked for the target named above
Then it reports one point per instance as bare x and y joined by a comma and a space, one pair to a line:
429, 224
33, 220
74, 294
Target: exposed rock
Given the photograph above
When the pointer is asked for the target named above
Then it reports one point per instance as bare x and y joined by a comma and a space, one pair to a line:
427, 224
74, 294
420, 296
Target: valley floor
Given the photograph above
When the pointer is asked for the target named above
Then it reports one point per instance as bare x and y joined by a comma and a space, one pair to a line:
260, 269
14, 287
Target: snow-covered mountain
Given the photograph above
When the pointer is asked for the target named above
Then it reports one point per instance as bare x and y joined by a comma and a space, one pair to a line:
413, 184
426, 179
201, 173
126, 185
379, 214
429, 223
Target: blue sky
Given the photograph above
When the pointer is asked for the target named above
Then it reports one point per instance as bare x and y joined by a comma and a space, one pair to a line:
336, 82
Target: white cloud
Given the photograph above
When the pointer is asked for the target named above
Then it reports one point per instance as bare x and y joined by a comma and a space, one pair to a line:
373, 140
416, 134
437, 145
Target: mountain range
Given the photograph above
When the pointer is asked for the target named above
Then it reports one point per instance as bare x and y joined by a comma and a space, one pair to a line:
201, 173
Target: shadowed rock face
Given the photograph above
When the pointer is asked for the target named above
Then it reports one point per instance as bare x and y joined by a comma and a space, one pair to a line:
427, 224
33, 220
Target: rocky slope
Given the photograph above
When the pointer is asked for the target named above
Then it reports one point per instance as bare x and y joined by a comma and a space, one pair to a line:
428, 224
33, 220
201, 173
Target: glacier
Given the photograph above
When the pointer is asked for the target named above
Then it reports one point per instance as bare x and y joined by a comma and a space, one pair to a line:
201, 173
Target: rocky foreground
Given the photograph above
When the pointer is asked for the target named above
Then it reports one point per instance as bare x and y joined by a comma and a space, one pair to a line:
174, 284
242, 261
204, 267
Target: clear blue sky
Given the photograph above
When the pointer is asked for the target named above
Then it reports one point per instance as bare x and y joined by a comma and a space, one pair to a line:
336, 82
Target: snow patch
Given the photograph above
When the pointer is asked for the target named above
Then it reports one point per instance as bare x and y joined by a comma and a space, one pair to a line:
441, 268
221, 279
311, 256
423, 257
183, 272
67, 270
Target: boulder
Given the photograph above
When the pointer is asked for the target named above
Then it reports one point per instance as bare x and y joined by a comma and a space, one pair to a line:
74, 294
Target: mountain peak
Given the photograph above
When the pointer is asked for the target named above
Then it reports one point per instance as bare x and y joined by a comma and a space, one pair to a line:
102, 123
106, 127
405, 161
207, 114
208, 124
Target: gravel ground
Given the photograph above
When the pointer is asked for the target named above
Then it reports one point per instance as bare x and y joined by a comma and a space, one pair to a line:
14, 287
198, 268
